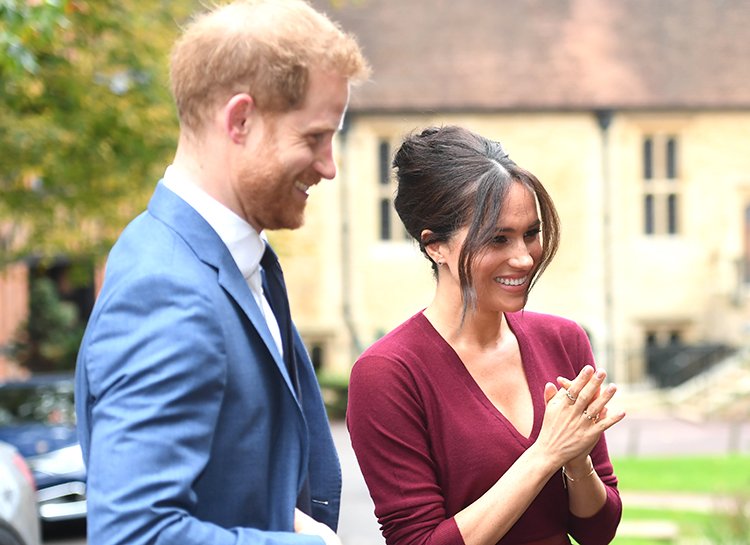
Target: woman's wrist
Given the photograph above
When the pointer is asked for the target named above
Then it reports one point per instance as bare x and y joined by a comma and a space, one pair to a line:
573, 474
537, 457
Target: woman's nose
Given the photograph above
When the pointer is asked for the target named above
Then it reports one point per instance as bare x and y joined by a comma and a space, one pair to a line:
521, 257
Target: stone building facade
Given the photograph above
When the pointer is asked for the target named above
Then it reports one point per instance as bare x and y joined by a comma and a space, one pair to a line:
635, 114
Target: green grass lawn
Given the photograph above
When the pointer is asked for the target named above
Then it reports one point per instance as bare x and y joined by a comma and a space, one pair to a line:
709, 475
725, 475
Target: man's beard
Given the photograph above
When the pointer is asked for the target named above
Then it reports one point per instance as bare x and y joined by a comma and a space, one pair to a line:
268, 196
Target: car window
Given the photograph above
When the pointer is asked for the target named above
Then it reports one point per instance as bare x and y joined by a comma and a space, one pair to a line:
42, 404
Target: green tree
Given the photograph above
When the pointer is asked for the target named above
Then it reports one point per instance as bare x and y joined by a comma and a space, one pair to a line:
25, 27
86, 121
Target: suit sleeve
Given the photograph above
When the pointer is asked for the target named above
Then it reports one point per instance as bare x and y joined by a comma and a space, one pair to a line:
155, 363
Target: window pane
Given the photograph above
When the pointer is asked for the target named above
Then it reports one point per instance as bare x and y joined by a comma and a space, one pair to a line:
385, 219
672, 158
648, 213
384, 158
672, 214
648, 158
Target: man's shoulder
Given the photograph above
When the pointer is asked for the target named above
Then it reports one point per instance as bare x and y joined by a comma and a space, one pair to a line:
148, 255
145, 238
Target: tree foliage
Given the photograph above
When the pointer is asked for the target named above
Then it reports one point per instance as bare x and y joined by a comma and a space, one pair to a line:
24, 27
86, 121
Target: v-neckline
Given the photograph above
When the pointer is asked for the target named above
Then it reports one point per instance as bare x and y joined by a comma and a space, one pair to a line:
529, 370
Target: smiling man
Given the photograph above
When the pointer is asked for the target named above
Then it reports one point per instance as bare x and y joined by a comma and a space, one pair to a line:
199, 415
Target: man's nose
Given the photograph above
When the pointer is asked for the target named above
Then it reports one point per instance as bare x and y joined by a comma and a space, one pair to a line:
325, 164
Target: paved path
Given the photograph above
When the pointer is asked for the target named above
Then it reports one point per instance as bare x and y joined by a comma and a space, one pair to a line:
639, 435
357, 523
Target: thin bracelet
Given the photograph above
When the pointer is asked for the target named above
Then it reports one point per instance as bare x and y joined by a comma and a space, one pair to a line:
567, 477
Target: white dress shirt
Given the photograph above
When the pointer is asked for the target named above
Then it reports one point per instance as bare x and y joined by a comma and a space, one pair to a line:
244, 243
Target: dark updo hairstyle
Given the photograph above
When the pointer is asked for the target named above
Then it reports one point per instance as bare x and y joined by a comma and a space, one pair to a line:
448, 178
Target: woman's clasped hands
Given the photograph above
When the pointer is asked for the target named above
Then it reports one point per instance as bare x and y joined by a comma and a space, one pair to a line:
575, 417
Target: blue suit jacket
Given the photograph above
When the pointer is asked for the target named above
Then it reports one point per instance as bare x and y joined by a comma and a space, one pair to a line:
190, 427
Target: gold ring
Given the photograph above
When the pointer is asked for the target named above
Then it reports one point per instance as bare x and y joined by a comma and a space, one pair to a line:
592, 418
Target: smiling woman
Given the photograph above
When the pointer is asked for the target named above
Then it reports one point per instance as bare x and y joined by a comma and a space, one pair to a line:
455, 416
453, 185
498, 277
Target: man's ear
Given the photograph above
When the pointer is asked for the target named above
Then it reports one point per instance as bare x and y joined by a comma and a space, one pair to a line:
238, 114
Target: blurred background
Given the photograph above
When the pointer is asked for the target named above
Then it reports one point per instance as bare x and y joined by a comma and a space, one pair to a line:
635, 114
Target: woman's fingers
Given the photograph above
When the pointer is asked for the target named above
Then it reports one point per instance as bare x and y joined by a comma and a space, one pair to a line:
573, 387
598, 408
592, 388
578, 412
586, 385
549, 392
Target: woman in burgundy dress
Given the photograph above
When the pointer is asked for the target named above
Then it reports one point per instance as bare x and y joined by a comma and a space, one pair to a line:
475, 421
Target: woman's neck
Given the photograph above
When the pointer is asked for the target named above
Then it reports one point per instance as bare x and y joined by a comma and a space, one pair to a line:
480, 330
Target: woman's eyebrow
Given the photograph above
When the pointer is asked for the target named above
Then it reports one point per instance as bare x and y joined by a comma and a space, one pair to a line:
534, 225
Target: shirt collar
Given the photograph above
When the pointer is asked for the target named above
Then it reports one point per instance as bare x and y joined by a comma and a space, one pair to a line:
244, 243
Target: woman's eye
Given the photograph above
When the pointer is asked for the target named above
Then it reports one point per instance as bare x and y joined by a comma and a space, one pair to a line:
533, 233
500, 240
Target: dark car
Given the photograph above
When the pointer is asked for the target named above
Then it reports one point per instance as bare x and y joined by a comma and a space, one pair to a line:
37, 416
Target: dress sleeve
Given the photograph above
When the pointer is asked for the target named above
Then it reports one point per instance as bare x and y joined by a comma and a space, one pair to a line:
599, 529
387, 423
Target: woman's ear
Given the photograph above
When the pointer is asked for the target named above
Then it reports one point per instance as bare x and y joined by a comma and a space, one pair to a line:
238, 113
433, 249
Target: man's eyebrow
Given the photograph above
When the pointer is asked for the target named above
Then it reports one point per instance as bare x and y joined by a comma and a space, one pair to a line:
321, 127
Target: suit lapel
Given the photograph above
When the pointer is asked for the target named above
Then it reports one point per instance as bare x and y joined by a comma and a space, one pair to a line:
200, 236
